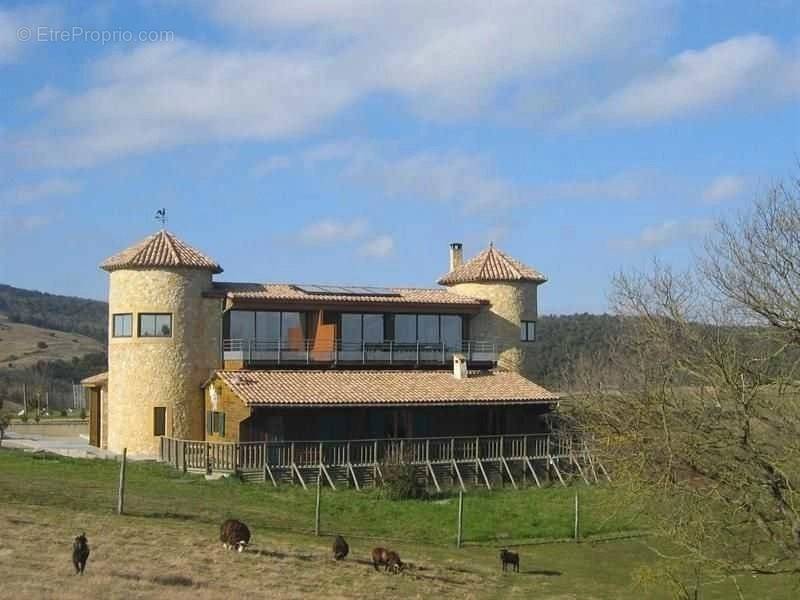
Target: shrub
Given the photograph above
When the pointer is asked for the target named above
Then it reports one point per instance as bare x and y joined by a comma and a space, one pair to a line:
400, 482
24, 417
63, 412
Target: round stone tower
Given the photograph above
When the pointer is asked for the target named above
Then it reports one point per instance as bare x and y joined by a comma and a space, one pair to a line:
164, 342
511, 289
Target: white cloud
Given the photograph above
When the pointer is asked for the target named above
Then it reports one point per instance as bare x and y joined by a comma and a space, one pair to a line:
323, 56
665, 233
270, 165
33, 192
328, 231
379, 247
16, 23
724, 187
696, 80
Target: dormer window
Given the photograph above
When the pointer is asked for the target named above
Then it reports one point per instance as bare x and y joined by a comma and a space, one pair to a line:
527, 331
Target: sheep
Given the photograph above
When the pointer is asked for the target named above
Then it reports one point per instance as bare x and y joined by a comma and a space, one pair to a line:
509, 558
389, 558
340, 548
234, 535
80, 553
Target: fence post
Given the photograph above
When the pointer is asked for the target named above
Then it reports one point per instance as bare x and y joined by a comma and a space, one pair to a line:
316, 511
183, 448
205, 457
577, 524
460, 517
121, 491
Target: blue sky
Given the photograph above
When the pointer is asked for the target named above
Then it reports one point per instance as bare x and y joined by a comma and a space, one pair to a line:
349, 141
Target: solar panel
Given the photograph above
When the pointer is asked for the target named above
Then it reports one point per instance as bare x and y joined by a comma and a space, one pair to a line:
346, 290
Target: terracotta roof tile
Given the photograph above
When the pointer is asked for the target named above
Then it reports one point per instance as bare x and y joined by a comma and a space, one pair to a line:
492, 265
368, 388
161, 249
289, 292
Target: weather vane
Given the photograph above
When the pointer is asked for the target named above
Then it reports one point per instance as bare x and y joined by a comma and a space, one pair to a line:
161, 216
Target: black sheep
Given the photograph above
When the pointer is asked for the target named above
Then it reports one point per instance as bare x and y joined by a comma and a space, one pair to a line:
80, 553
340, 548
509, 558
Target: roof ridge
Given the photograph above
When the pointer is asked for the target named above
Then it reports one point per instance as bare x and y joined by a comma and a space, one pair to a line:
171, 245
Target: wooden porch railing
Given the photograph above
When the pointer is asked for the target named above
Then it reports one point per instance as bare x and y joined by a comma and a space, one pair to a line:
358, 462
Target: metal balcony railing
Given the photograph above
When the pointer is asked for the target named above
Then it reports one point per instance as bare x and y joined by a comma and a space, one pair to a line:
385, 353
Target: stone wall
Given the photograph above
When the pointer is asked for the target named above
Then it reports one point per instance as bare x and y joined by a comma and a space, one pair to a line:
224, 400
145, 373
511, 303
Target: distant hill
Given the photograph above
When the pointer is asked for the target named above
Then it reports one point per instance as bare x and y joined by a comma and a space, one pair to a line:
51, 311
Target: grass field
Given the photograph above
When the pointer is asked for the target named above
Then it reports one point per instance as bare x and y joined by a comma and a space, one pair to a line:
20, 345
167, 543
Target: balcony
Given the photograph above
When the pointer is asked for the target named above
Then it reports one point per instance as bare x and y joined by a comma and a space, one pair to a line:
257, 353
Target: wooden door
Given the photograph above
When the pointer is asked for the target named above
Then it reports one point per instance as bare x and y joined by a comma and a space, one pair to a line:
94, 417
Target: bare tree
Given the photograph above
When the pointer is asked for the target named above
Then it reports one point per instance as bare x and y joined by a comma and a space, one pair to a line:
698, 407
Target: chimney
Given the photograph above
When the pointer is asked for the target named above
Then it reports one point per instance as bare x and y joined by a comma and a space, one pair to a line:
456, 255
460, 365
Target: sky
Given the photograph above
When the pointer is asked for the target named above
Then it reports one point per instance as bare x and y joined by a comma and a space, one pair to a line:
350, 141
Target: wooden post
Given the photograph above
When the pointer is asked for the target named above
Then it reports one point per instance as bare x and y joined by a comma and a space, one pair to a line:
207, 464
316, 511
121, 492
577, 524
183, 459
460, 518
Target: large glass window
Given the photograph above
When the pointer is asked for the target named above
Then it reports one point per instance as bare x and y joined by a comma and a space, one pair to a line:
451, 331
351, 328
405, 329
243, 325
428, 327
268, 326
373, 329
292, 330
123, 325
155, 325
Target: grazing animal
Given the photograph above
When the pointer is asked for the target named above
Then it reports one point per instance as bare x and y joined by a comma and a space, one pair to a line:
389, 558
509, 558
80, 553
234, 535
340, 548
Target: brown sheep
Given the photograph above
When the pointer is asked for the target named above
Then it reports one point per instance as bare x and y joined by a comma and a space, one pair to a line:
234, 535
389, 558
509, 558
340, 548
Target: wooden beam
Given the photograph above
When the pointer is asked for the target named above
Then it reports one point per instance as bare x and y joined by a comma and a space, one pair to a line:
533, 472
433, 475
353, 473
327, 475
577, 464
555, 468
508, 472
269, 472
296, 471
603, 469
460, 480
485, 478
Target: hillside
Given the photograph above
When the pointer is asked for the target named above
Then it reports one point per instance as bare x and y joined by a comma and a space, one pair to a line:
51, 311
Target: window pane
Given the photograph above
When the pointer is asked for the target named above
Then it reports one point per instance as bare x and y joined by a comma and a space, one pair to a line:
351, 328
428, 328
163, 325
373, 329
122, 325
531, 330
243, 325
405, 329
147, 325
292, 327
268, 326
523, 331
159, 420
451, 331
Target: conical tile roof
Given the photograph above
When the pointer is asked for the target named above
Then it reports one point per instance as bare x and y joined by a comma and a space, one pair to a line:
491, 265
161, 249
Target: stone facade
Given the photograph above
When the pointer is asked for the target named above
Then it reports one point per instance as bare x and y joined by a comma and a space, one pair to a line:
150, 372
220, 398
511, 303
